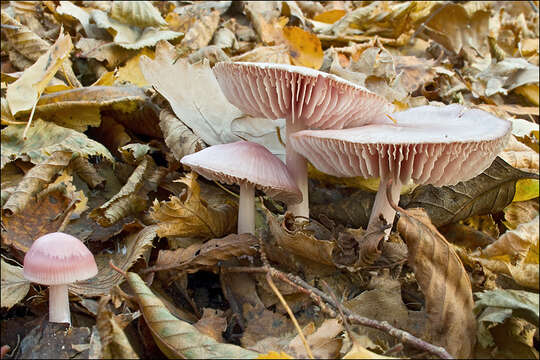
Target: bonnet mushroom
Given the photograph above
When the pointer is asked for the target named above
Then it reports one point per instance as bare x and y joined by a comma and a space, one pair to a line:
306, 98
249, 165
428, 144
58, 259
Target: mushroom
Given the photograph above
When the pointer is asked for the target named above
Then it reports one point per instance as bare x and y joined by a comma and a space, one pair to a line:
58, 259
306, 98
249, 165
428, 144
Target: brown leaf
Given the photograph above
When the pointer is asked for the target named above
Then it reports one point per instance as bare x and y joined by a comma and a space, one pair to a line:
207, 255
201, 32
178, 137
212, 323
114, 342
278, 54
103, 50
299, 241
444, 282
486, 193
35, 180
190, 215
138, 13
14, 285
136, 241
177, 338
54, 341
86, 171
324, 342
132, 198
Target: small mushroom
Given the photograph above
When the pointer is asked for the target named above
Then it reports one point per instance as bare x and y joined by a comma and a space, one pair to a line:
306, 98
58, 259
249, 165
428, 144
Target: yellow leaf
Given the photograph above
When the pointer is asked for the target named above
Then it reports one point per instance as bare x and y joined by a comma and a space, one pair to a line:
275, 355
106, 79
526, 189
24, 92
304, 48
131, 72
530, 92
359, 352
330, 17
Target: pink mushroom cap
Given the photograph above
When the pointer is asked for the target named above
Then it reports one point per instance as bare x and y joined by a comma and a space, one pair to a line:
58, 258
245, 162
430, 144
310, 97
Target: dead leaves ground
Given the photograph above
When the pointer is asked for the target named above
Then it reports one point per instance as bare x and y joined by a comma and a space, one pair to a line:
100, 100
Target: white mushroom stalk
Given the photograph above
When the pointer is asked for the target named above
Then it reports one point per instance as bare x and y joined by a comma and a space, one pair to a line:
251, 166
428, 144
306, 98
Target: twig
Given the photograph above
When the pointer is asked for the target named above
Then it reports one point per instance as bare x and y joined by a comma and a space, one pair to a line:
282, 300
340, 309
384, 326
29, 120
535, 9
117, 269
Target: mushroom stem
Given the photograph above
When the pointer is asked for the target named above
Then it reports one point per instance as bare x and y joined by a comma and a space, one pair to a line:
297, 166
246, 209
382, 206
59, 304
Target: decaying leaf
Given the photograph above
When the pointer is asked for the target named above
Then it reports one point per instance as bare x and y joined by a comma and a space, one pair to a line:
134, 244
201, 32
138, 13
207, 255
35, 180
131, 37
520, 212
178, 137
24, 40
212, 323
323, 341
14, 285
177, 338
103, 50
132, 198
54, 341
278, 54
190, 215
114, 342
488, 192
24, 93
444, 282
299, 241
204, 108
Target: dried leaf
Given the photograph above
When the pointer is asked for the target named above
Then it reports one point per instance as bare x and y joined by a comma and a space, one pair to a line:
299, 241
132, 198
278, 54
25, 91
520, 212
72, 10
486, 193
304, 47
34, 181
54, 341
262, 131
520, 156
133, 245
212, 323
103, 50
444, 283
207, 255
130, 37
323, 342
330, 17
204, 109
359, 352
14, 285
190, 215
201, 32
45, 138
131, 72
114, 342
529, 92
24, 40
275, 355
177, 338
138, 13
506, 75
178, 137
134, 153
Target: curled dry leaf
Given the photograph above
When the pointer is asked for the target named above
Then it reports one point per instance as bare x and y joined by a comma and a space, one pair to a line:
139, 13
177, 338
520, 212
72, 10
278, 54
130, 37
114, 342
444, 283
22, 39
201, 32
212, 53
136, 241
299, 241
25, 91
14, 285
324, 342
132, 198
207, 255
103, 50
190, 215
178, 137
520, 156
212, 323
486, 193
204, 108
34, 181
45, 138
